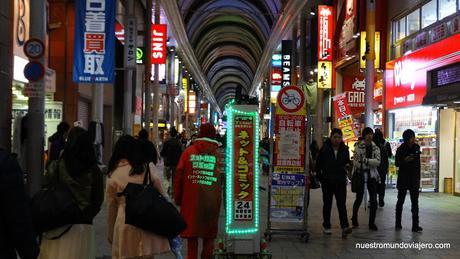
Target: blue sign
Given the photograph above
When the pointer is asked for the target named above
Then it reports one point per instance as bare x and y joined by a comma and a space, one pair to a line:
34, 71
94, 49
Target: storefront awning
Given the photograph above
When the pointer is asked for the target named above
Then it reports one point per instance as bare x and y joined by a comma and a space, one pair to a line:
446, 95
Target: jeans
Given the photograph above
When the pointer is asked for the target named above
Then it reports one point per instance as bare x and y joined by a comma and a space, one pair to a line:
192, 248
381, 187
372, 189
340, 192
414, 209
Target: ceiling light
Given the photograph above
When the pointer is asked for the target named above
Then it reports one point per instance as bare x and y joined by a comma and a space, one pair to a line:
312, 12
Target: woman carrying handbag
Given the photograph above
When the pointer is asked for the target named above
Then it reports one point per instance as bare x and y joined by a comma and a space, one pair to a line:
366, 160
77, 170
127, 166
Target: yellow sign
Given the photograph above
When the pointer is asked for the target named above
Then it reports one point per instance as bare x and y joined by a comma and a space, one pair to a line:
362, 61
324, 74
184, 84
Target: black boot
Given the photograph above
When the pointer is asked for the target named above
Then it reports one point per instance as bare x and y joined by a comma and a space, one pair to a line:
373, 227
417, 229
354, 221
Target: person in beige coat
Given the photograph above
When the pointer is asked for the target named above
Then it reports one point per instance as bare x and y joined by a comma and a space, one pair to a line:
127, 166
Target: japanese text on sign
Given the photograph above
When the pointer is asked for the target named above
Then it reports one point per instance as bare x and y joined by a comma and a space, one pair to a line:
344, 118
203, 169
325, 30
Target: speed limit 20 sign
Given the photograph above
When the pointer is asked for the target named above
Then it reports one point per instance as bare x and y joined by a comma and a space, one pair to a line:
34, 48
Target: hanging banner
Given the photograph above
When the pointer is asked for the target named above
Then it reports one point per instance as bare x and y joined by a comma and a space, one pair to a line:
131, 41
354, 87
94, 43
344, 118
242, 171
286, 65
159, 43
325, 74
325, 32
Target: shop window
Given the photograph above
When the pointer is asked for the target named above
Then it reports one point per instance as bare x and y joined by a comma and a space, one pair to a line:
413, 22
429, 13
446, 8
402, 28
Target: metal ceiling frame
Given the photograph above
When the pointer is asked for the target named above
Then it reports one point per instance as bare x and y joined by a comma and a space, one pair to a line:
282, 28
177, 27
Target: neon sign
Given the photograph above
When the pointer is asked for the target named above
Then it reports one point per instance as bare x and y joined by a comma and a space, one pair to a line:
325, 30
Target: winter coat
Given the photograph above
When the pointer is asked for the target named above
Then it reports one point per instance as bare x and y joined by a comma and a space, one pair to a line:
86, 187
171, 151
409, 172
331, 168
56, 146
360, 161
199, 194
16, 233
129, 241
385, 154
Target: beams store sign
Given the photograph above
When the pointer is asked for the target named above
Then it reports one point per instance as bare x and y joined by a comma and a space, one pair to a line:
325, 31
406, 77
94, 49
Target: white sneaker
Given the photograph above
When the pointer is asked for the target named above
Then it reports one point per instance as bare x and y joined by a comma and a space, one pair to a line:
327, 231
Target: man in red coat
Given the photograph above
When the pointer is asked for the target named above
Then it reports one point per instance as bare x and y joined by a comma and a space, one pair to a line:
197, 189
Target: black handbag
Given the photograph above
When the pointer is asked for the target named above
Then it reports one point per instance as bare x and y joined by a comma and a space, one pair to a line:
54, 206
147, 209
357, 180
314, 182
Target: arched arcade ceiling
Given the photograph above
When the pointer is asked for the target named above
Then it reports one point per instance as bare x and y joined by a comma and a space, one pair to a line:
228, 38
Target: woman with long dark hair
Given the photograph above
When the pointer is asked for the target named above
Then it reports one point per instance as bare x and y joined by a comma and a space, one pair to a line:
78, 170
128, 165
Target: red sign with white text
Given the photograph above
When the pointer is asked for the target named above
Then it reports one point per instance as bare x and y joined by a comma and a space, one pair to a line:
354, 86
406, 77
344, 118
325, 32
277, 76
159, 43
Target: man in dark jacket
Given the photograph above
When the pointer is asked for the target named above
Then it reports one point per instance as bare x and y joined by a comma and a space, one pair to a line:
147, 147
16, 235
57, 141
171, 152
331, 164
408, 161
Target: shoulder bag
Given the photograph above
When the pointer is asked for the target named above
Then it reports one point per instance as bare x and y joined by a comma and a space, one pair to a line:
357, 180
147, 209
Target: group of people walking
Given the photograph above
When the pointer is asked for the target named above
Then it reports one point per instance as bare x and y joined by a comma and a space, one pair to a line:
73, 167
368, 168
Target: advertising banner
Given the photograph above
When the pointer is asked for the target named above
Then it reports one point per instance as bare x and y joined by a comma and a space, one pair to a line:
94, 44
325, 32
286, 51
243, 153
406, 77
287, 198
325, 74
159, 43
354, 87
344, 118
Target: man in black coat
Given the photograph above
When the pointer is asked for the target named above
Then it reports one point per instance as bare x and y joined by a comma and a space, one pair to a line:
171, 152
331, 164
16, 235
408, 161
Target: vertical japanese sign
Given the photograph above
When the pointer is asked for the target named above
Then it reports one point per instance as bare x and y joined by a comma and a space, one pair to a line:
288, 177
344, 118
130, 41
243, 151
363, 50
286, 66
242, 197
94, 47
325, 50
325, 31
159, 43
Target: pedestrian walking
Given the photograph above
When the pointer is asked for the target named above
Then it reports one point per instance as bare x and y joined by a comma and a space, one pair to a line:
16, 234
147, 147
56, 142
127, 165
171, 152
197, 190
408, 161
366, 160
331, 163
78, 170
385, 154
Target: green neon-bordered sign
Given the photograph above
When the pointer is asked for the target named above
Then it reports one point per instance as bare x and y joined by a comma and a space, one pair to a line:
242, 177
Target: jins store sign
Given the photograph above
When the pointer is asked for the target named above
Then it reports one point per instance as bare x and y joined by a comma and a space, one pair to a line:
406, 77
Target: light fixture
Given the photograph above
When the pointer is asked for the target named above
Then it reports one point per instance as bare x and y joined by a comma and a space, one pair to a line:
312, 73
312, 12
316, 70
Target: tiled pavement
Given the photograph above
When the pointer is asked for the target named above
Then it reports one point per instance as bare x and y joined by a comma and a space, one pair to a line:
439, 216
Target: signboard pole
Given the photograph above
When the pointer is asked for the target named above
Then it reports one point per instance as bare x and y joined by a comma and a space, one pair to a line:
370, 65
36, 113
130, 67
156, 84
148, 70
